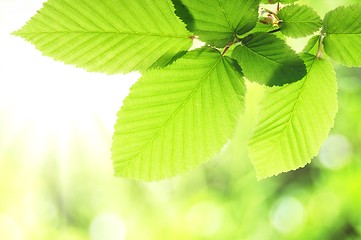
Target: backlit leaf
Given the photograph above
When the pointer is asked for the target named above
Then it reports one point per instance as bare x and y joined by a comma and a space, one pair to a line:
281, 1
268, 60
312, 45
178, 117
342, 42
299, 21
295, 120
108, 35
217, 21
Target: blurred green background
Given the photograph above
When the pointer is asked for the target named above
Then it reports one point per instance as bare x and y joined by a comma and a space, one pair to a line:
56, 179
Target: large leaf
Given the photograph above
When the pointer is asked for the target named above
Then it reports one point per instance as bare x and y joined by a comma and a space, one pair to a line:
178, 117
268, 60
108, 35
299, 21
217, 21
295, 120
342, 27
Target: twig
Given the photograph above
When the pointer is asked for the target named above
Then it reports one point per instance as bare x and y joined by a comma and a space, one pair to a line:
227, 48
319, 54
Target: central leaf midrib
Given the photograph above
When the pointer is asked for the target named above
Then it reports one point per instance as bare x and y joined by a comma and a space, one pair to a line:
161, 129
226, 17
269, 59
287, 124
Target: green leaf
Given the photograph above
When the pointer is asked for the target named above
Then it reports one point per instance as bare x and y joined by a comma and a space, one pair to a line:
342, 42
109, 36
281, 1
295, 120
312, 45
266, 28
261, 27
178, 117
217, 21
299, 21
268, 60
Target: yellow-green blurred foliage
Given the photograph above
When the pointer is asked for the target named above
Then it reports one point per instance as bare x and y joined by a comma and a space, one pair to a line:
72, 195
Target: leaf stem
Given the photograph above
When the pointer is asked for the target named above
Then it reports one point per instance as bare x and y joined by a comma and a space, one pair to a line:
235, 40
319, 54
227, 47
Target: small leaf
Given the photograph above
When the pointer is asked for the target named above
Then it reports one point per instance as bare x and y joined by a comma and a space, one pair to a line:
268, 60
295, 120
178, 117
261, 27
312, 45
217, 21
342, 42
266, 28
299, 21
108, 36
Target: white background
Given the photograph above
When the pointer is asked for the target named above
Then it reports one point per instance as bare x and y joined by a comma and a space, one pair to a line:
42, 99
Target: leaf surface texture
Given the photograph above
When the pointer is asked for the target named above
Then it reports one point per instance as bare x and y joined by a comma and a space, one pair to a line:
299, 21
108, 36
342, 27
217, 21
268, 60
281, 1
295, 120
178, 117
312, 45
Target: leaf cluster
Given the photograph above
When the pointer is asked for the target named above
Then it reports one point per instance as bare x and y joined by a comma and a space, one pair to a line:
187, 104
